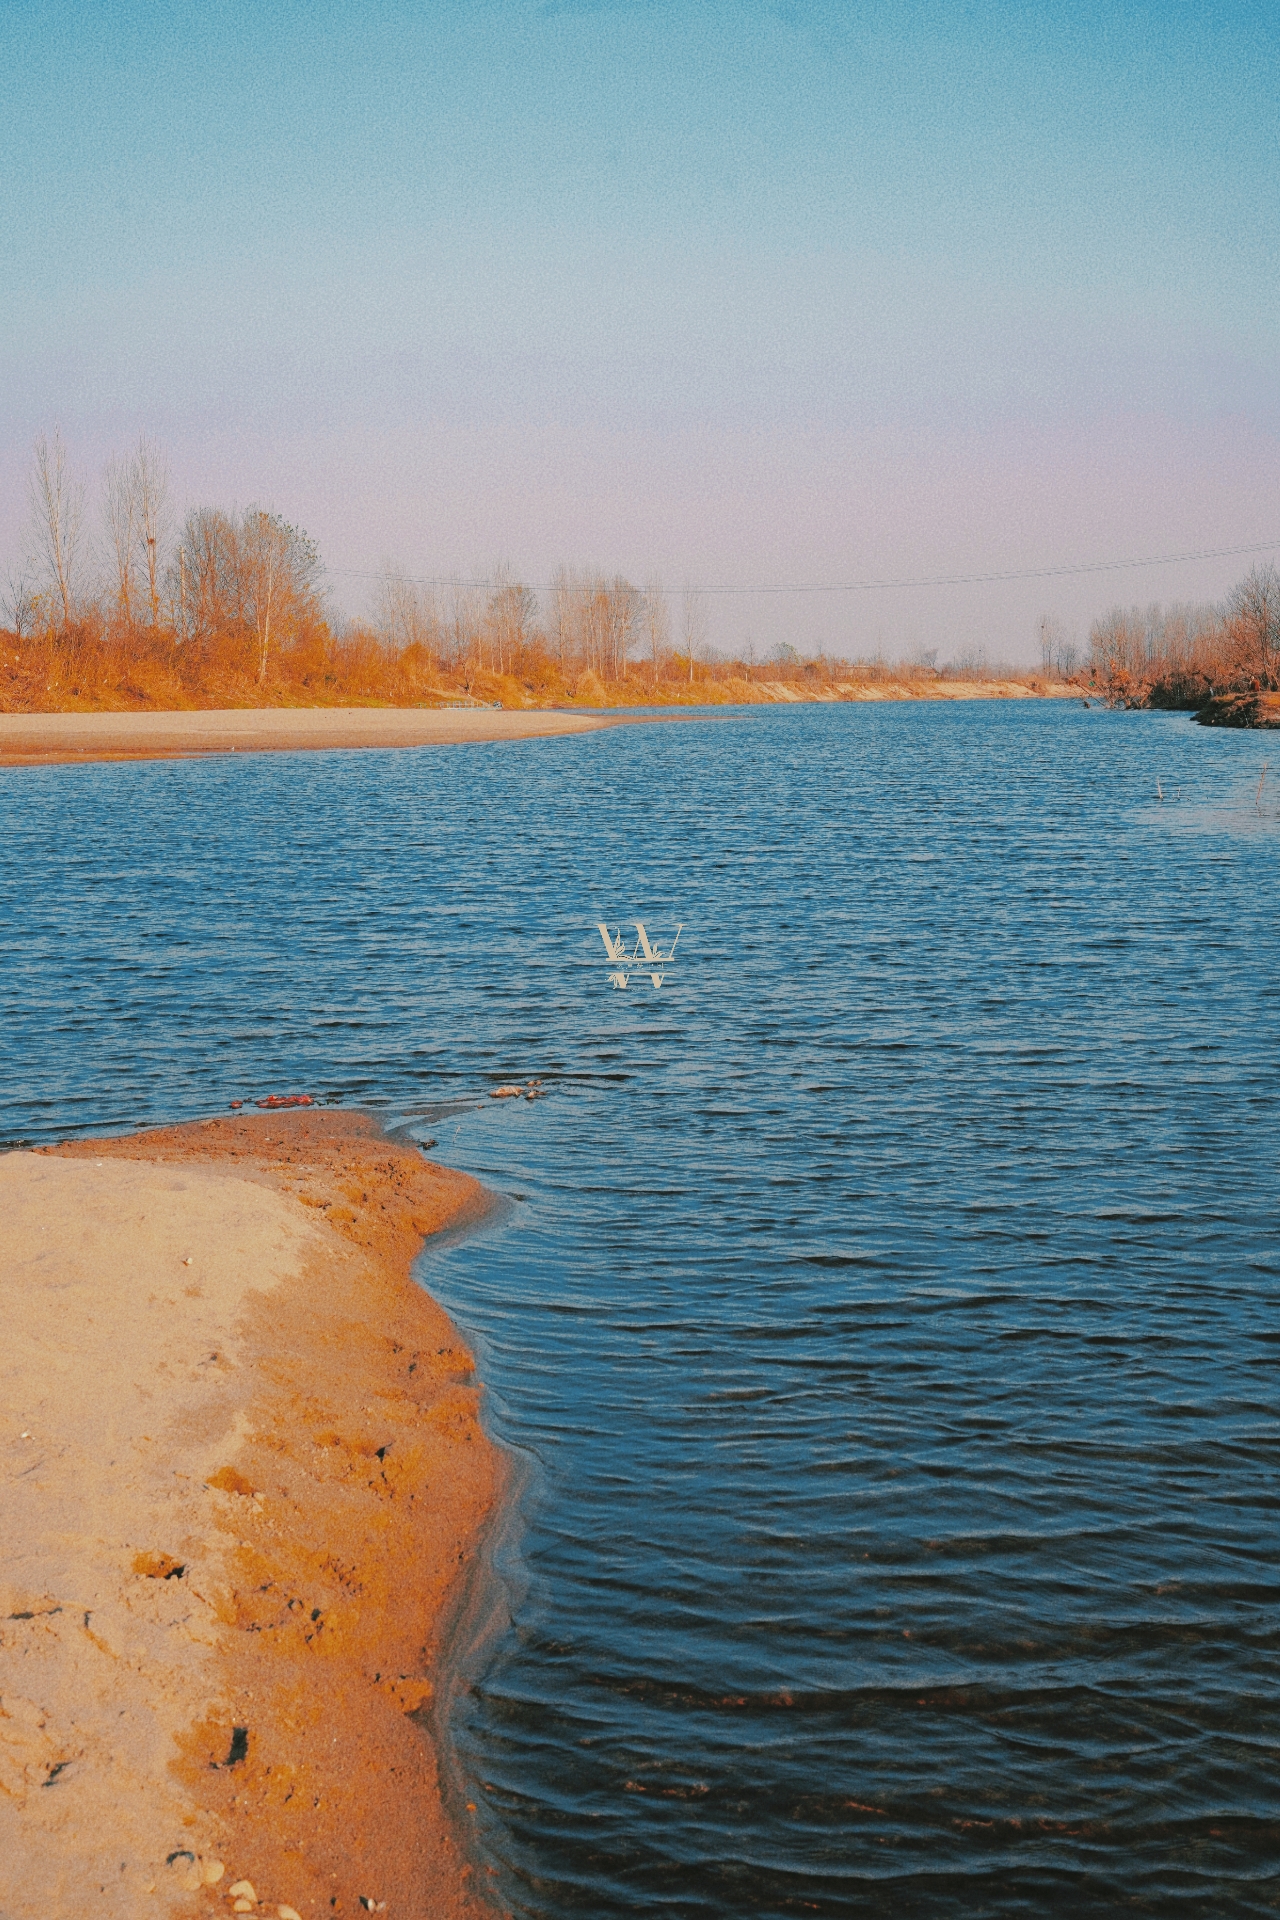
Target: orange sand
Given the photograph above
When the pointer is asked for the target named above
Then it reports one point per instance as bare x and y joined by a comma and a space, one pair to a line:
242, 1481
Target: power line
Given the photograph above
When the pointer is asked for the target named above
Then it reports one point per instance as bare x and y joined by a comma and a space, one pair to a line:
873, 586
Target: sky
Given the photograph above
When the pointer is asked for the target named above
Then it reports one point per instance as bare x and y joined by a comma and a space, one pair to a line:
771, 294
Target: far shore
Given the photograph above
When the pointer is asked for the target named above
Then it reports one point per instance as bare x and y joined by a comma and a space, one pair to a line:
52, 739
242, 1486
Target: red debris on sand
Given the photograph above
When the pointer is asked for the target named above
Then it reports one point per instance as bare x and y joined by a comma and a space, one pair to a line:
285, 1100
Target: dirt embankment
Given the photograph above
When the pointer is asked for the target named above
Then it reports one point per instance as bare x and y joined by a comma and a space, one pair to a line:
1255, 709
241, 1480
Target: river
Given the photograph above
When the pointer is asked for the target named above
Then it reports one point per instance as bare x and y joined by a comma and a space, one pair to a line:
883, 1312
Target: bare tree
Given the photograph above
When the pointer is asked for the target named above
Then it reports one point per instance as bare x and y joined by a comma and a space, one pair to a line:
280, 566
1118, 644
561, 624
57, 521
512, 614
118, 513
19, 602
1254, 607
206, 576
406, 613
464, 630
149, 485
694, 622
616, 619
1052, 635
657, 622
594, 622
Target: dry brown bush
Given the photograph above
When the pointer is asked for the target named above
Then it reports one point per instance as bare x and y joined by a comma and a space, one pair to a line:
1181, 657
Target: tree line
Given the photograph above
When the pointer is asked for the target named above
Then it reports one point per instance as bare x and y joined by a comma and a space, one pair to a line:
1181, 656
239, 582
234, 604
123, 601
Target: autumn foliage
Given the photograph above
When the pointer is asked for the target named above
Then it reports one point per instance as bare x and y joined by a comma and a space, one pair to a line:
1182, 657
132, 610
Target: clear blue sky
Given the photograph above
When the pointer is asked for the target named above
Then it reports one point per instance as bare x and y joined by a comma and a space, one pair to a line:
762, 292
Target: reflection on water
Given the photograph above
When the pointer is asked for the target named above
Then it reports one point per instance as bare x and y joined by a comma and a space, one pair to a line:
886, 1308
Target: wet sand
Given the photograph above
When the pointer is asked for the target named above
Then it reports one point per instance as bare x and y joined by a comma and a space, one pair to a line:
242, 1483
36, 739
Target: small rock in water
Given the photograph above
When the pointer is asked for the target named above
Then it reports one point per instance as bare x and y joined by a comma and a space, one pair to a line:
500, 1093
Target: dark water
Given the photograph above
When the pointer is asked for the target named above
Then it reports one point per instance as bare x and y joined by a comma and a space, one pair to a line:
887, 1316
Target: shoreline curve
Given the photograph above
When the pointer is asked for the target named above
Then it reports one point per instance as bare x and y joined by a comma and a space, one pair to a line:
53, 739
221, 1636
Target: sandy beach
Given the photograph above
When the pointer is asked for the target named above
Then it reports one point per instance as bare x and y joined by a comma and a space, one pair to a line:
34, 739
242, 1481
51, 739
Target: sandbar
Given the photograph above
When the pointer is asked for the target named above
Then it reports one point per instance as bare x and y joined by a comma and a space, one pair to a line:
35, 739
242, 1486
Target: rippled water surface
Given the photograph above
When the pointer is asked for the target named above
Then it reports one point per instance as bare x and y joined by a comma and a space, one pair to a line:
886, 1310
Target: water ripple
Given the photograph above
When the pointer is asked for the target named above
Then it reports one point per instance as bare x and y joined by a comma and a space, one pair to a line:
888, 1314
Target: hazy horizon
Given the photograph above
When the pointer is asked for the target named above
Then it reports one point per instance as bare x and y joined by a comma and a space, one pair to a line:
738, 296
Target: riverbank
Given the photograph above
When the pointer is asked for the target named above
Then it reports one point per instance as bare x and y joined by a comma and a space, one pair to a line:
52, 739
1260, 710
44, 739
241, 1480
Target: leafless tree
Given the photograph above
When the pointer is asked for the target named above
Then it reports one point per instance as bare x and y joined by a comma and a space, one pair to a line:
19, 602
1052, 635
594, 622
657, 622
206, 575
1254, 607
615, 622
118, 513
57, 522
511, 618
149, 486
280, 566
560, 626
406, 613
693, 622
463, 630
